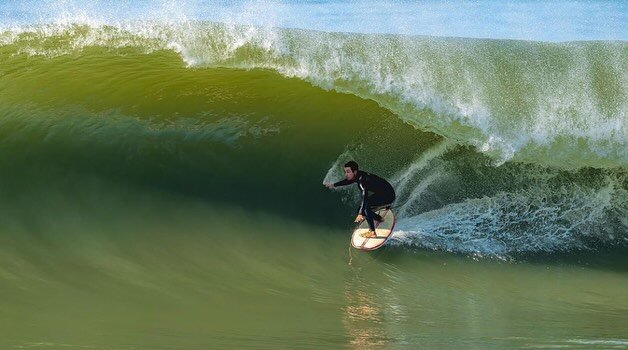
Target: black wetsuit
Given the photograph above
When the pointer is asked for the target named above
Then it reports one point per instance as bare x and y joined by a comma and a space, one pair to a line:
381, 194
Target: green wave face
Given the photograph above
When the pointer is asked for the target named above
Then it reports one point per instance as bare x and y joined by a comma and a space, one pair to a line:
236, 117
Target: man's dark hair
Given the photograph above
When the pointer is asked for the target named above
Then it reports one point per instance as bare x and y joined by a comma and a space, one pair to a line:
353, 165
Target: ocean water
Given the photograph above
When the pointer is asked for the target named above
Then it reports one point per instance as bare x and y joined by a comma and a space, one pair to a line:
161, 170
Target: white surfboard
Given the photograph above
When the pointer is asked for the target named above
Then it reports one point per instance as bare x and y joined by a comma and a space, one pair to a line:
384, 231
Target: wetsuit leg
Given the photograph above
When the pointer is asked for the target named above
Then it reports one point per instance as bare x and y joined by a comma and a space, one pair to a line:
376, 201
370, 216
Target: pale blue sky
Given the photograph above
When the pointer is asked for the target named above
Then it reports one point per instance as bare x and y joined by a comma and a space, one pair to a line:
528, 20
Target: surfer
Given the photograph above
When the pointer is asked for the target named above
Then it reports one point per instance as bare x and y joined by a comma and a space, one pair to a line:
381, 194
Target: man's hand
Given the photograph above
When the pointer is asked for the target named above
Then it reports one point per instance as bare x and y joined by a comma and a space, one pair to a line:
359, 218
329, 185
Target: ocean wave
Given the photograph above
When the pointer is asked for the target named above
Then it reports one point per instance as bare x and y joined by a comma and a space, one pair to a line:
559, 104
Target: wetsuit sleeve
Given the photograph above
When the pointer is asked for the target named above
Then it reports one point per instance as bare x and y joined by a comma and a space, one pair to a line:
344, 182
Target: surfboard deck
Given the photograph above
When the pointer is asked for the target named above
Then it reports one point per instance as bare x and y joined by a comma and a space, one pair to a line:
383, 231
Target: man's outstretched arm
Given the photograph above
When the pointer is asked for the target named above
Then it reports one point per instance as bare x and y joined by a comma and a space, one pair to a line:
364, 200
344, 182
363, 205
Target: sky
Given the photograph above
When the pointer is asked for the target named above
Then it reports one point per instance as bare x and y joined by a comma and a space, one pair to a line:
540, 20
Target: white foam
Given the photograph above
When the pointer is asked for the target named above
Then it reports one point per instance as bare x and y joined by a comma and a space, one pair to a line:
539, 219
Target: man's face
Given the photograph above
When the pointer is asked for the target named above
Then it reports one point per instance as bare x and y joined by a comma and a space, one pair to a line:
349, 174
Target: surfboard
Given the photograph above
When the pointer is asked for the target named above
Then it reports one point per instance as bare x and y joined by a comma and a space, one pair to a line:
383, 230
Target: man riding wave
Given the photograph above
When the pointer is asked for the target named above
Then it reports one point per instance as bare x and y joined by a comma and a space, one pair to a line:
376, 193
